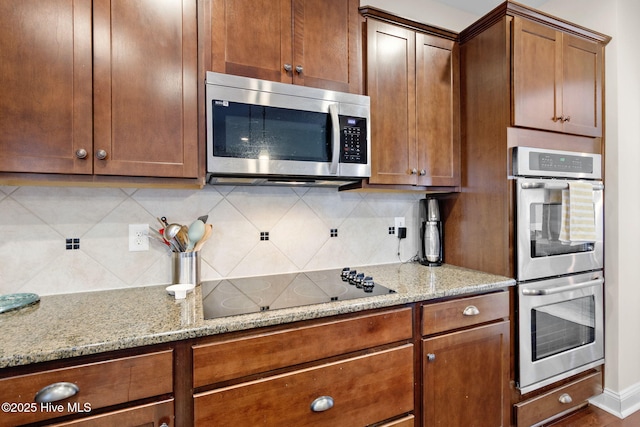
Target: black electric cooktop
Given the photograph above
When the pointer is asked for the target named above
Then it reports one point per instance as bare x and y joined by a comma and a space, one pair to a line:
228, 297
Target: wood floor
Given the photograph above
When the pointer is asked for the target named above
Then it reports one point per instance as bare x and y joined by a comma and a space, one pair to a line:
595, 417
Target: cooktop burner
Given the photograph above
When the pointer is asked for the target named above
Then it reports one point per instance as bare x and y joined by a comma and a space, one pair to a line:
229, 297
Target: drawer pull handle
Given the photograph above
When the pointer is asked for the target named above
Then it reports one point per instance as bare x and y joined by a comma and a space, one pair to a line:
565, 398
472, 310
56, 391
322, 403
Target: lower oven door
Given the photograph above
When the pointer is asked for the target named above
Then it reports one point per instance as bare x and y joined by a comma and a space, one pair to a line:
540, 251
561, 331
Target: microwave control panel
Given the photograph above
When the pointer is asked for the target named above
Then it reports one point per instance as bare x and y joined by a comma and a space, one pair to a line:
353, 140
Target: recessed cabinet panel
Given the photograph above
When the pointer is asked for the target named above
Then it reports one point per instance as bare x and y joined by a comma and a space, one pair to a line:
391, 86
145, 88
582, 89
466, 377
537, 76
437, 106
45, 86
251, 38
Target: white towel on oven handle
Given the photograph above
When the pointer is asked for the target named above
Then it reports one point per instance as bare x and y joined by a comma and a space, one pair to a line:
578, 222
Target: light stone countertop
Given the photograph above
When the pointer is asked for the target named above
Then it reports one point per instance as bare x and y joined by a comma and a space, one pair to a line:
69, 325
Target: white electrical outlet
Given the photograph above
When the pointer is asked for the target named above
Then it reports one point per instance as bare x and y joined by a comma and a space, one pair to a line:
138, 237
399, 222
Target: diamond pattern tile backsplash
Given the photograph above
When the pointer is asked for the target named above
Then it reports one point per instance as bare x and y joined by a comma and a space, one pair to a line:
256, 230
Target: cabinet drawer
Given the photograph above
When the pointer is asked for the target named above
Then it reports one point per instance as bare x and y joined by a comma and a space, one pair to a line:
220, 361
547, 405
445, 316
154, 414
408, 421
364, 389
100, 384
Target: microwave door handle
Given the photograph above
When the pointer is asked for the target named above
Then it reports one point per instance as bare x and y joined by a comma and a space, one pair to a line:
335, 138
559, 289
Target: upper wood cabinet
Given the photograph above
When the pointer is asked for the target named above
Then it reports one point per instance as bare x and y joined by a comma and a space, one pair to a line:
412, 79
557, 80
45, 85
307, 42
102, 87
145, 88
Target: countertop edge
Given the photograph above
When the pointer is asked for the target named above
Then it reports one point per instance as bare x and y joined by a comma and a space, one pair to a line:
205, 328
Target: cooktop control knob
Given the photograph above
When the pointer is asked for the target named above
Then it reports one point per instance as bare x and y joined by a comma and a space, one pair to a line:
352, 276
357, 280
368, 284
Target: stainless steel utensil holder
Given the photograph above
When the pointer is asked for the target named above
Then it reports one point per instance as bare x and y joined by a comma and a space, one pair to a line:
186, 267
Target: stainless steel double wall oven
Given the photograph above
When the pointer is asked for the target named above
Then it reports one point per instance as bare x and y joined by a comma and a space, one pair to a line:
560, 281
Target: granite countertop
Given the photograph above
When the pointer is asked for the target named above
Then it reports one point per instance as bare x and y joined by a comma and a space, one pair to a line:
63, 326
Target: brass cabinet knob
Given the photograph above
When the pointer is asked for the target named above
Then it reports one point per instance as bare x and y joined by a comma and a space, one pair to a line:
101, 154
81, 153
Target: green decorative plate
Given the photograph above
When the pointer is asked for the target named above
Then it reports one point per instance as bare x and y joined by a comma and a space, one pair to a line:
15, 301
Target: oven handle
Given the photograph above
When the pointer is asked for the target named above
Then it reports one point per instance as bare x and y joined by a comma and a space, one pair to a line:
557, 290
554, 186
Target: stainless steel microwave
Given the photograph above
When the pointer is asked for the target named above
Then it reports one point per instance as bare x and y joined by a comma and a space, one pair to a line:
263, 132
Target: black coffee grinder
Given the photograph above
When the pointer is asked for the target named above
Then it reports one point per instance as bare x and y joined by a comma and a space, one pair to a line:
430, 232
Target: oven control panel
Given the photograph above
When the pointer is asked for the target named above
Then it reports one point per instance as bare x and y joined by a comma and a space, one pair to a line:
560, 163
529, 161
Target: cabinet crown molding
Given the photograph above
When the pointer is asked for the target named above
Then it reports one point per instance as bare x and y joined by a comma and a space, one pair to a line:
511, 8
383, 15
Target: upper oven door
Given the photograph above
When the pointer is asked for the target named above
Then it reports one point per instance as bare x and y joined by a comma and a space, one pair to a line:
540, 251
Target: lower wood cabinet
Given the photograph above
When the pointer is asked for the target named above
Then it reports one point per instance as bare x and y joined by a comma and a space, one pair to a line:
97, 385
466, 371
353, 371
357, 391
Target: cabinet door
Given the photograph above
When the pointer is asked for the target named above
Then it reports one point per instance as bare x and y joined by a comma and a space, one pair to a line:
326, 44
437, 111
252, 38
537, 76
466, 378
45, 86
582, 89
145, 88
392, 87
